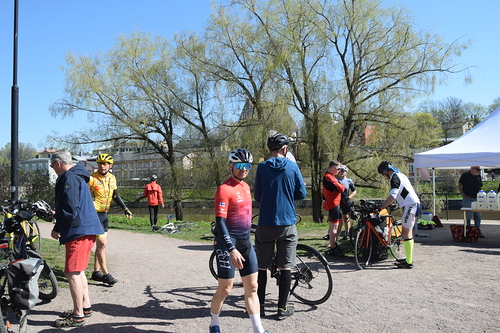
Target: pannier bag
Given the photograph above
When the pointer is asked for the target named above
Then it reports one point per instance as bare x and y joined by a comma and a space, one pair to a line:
23, 277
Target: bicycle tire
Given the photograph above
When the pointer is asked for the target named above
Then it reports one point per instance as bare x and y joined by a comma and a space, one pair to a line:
212, 265
363, 248
47, 282
397, 243
34, 238
312, 281
185, 224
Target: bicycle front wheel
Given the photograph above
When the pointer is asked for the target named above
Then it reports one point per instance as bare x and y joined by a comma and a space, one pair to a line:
363, 248
212, 265
47, 281
397, 244
34, 238
312, 281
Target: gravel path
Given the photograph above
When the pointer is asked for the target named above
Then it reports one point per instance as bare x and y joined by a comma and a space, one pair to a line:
165, 286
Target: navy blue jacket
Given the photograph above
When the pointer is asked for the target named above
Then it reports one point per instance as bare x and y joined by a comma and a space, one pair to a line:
74, 212
278, 183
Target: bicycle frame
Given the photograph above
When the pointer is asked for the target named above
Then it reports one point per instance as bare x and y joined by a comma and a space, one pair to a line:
368, 234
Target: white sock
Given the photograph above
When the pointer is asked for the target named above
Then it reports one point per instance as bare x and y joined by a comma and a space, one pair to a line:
215, 319
256, 323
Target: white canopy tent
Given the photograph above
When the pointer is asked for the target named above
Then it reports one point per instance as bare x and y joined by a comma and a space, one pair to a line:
478, 147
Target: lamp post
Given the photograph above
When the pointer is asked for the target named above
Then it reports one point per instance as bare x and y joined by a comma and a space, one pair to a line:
14, 143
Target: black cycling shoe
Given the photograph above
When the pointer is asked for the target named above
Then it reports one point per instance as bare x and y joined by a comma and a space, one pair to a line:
405, 265
97, 276
109, 279
285, 313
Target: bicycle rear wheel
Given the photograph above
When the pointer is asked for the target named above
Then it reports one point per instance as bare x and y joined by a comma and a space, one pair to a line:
312, 281
397, 244
363, 248
47, 282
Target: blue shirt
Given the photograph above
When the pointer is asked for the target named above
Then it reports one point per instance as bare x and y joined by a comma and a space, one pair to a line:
278, 183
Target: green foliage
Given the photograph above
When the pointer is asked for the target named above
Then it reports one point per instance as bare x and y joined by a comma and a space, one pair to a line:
55, 254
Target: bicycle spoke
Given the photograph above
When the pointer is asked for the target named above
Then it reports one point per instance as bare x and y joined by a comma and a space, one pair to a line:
312, 281
363, 248
397, 244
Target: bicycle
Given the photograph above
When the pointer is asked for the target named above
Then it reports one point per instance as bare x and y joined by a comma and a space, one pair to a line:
15, 294
174, 227
371, 232
25, 216
23, 235
312, 281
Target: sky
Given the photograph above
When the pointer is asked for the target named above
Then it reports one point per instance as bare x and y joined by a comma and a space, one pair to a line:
47, 30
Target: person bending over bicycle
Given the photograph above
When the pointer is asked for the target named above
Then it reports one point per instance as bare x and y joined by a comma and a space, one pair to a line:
278, 183
234, 248
407, 198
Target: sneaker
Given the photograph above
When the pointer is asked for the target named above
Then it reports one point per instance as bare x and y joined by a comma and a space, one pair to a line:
481, 235
400, 261
97, 276
87, 312
285, 313
336, 252
214, 329
327, 237
109, 279
345, 237
70, 321
404, 265
155, 227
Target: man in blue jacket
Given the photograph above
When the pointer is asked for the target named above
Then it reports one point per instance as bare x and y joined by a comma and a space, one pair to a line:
76, 227
278, 183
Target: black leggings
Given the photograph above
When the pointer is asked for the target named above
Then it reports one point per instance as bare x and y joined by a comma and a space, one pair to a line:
153, 214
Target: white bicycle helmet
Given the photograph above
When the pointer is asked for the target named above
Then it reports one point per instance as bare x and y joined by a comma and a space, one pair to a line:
42, 210
343, 167
240, 155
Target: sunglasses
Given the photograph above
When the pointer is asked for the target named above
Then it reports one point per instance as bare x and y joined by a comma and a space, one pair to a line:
478, 169
241, 166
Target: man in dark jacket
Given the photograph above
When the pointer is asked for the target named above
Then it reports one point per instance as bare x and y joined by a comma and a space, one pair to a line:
468, 185
76, 227
278, 183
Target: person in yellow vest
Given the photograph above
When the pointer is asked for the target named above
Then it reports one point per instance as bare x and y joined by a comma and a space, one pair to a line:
103, 189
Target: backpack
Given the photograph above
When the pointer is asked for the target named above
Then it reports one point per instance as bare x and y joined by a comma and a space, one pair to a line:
22, 277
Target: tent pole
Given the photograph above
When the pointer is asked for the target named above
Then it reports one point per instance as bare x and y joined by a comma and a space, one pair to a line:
433, 192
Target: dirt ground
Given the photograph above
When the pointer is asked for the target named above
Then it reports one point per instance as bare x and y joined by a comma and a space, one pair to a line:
165, 286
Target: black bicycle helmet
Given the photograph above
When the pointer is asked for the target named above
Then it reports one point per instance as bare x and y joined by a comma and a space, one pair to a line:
277, 141
153, 178
385, 165
11, 225
240, 155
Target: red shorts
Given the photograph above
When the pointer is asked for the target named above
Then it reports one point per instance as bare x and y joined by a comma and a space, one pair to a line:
78, 253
